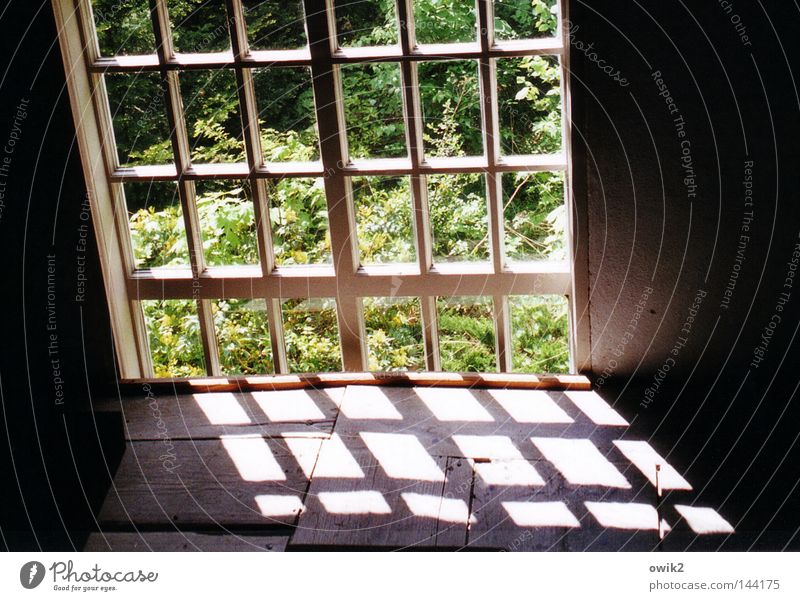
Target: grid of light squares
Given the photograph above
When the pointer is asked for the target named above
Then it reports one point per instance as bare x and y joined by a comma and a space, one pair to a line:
498, 460
344, 279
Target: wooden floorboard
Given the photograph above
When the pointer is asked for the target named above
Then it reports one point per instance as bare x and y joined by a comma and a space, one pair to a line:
386, 512
438, 417
389, 468
199, 483
182, 541
209, 415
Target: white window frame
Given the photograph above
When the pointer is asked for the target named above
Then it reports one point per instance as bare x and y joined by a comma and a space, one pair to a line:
345, 280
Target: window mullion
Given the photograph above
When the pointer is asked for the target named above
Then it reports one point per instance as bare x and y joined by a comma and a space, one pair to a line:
494, 196
491, 136
502, 324
577, 231
252, 143
419, 186
341, 216
186, 190
430, 332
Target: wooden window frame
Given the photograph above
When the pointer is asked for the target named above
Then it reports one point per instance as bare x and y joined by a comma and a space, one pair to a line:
345, 280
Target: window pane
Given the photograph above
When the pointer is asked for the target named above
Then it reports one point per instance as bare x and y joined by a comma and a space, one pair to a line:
299, 216
156, 224
139, 118
529, 98
312, 335
450, 108
285, 101
227, 222
242, 328
174, 334
466, 334
366, 22
458, 215
525, 19
199, 25
274, 24
539, 334
535, 216
444, 21
383, 219
123, 28
213, 121
374, 110
394, 334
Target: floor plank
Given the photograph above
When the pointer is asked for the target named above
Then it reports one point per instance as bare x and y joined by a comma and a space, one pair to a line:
437, 416
381, 511
182, 541
390, 468
207, 415
205, 483
555, 516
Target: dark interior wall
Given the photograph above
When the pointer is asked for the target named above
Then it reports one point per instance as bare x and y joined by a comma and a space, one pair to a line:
56, 352
734, 426
692, 181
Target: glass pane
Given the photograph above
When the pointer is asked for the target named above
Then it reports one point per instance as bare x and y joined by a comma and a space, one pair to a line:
227, 222
275, 25
213, 121
366, 22
199, 25
529, 98
444, 21
139, 118
466, 334
373, 108
539, 334
525, 19
450, 108
174, 333
394, 334
383, 219
242, 328
156, 224
299, 216
285, 101
535, 216
458, 215
124, 28
312, 335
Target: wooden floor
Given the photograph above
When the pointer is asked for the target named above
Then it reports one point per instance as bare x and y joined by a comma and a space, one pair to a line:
361, 467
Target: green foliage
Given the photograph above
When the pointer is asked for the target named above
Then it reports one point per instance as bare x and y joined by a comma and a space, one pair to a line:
299, 216
535, 216
466, 335
444, 21
175, 344
530, 118
227, 223
243, 336
374, 110
312, 335
275, 24
539, 331
123, 27
366, 22
516, 19
394, 334
383, 215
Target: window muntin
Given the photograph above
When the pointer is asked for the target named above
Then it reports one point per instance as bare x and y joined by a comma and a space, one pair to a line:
433, 263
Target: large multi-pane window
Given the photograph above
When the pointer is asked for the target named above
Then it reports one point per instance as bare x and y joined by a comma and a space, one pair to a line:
325, 185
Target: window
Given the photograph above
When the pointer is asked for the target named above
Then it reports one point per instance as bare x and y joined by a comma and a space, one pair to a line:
326, 185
